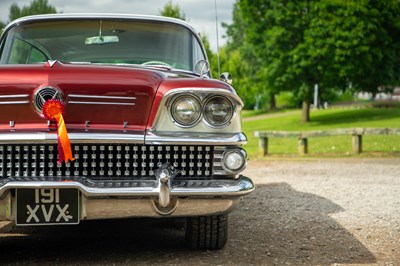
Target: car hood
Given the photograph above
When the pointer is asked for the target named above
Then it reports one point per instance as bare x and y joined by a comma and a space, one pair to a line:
94, 97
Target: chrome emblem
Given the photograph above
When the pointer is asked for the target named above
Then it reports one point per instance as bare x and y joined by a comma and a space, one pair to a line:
44, 94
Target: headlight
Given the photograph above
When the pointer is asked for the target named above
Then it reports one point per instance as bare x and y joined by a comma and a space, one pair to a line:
218, 111
186, 110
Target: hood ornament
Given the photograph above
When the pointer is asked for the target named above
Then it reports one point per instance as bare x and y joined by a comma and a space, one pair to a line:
51, 63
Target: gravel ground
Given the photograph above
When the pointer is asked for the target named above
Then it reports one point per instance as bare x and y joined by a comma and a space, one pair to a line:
303, 212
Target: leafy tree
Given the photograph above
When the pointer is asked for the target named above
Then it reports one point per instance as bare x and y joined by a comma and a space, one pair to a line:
172, 11
242, 63
2, 25
36, 7
332, 43
212, 57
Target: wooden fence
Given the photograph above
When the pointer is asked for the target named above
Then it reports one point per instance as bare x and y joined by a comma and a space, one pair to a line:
302, 137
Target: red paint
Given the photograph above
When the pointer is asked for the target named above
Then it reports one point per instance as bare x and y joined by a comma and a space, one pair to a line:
148, 86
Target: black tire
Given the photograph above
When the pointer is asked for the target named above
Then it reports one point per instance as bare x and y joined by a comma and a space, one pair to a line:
207, 232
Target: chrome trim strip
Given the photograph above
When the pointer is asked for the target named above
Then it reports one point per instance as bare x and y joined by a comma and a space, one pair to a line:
207, 188
74, 137
151, 139
172, 138
105, 103
14, 102
101, 97
14, 96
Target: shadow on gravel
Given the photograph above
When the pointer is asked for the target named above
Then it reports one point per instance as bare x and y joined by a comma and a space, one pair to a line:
274, 225
285, 226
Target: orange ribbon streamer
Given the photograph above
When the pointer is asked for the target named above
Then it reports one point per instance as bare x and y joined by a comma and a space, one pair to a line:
53, 110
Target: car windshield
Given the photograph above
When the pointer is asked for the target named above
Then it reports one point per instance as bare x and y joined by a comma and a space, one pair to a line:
105, 41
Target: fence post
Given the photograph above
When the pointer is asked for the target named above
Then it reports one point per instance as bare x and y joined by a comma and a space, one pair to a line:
357, 143
263, 145
302, 145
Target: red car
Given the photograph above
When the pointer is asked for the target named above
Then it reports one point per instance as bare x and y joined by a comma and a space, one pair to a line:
113, 116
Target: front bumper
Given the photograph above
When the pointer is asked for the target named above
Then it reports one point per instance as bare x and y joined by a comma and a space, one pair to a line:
139, 198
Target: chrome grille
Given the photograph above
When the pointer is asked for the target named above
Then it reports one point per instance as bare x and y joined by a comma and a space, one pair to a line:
104, 161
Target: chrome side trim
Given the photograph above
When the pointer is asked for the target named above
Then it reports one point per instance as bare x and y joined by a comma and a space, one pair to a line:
101, 97
14, 102
109, 103
95, 99
193, 139
5, 97
74, 137
166, 138
14, 96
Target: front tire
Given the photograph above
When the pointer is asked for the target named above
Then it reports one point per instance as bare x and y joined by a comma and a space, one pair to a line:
207, 232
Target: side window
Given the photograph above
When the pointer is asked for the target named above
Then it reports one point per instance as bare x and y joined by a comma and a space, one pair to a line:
24, 53
36, 56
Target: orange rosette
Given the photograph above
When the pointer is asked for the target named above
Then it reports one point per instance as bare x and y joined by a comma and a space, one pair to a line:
53, 110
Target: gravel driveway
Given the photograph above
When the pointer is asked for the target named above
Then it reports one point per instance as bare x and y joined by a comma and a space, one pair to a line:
303, 212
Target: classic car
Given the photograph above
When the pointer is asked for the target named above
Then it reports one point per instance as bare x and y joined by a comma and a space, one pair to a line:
108, 116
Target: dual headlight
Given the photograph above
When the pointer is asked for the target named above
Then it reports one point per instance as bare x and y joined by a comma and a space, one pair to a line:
187, 110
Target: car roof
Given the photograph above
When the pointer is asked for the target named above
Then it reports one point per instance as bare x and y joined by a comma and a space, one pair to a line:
77, 16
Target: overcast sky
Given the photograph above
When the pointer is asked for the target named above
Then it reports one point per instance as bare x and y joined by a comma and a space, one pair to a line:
199, 13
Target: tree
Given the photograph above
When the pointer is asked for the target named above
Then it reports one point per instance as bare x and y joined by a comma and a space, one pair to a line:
330, 43
36, 7
2, 25
212, 57
172, 11
241, 61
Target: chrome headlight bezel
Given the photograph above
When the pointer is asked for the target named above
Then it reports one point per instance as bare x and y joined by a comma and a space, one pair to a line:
228, 156
213, 121
197, 110
165, 122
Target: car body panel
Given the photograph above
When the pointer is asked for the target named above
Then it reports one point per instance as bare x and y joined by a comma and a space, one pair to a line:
130, 157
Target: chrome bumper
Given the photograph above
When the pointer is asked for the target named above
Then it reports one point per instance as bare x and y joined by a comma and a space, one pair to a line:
122, 199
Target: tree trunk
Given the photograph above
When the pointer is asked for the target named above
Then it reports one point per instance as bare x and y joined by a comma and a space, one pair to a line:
272, 101
305, 112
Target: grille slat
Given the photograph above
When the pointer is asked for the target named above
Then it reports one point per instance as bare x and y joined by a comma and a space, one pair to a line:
126, 161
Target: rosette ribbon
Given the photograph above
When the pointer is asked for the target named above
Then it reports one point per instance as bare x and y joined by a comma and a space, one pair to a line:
53, 110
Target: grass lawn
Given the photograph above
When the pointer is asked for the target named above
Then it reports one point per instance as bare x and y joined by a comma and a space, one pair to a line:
382, 145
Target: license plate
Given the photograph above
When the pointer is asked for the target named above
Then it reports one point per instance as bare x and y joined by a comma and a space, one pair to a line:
46, 206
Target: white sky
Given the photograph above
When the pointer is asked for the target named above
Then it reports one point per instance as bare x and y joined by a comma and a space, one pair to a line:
199, 13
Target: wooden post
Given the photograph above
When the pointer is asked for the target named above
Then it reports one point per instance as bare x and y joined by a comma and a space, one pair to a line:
302, 145
263, 146
357, 143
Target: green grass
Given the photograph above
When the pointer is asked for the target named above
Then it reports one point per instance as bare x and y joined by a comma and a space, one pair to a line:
381, 145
